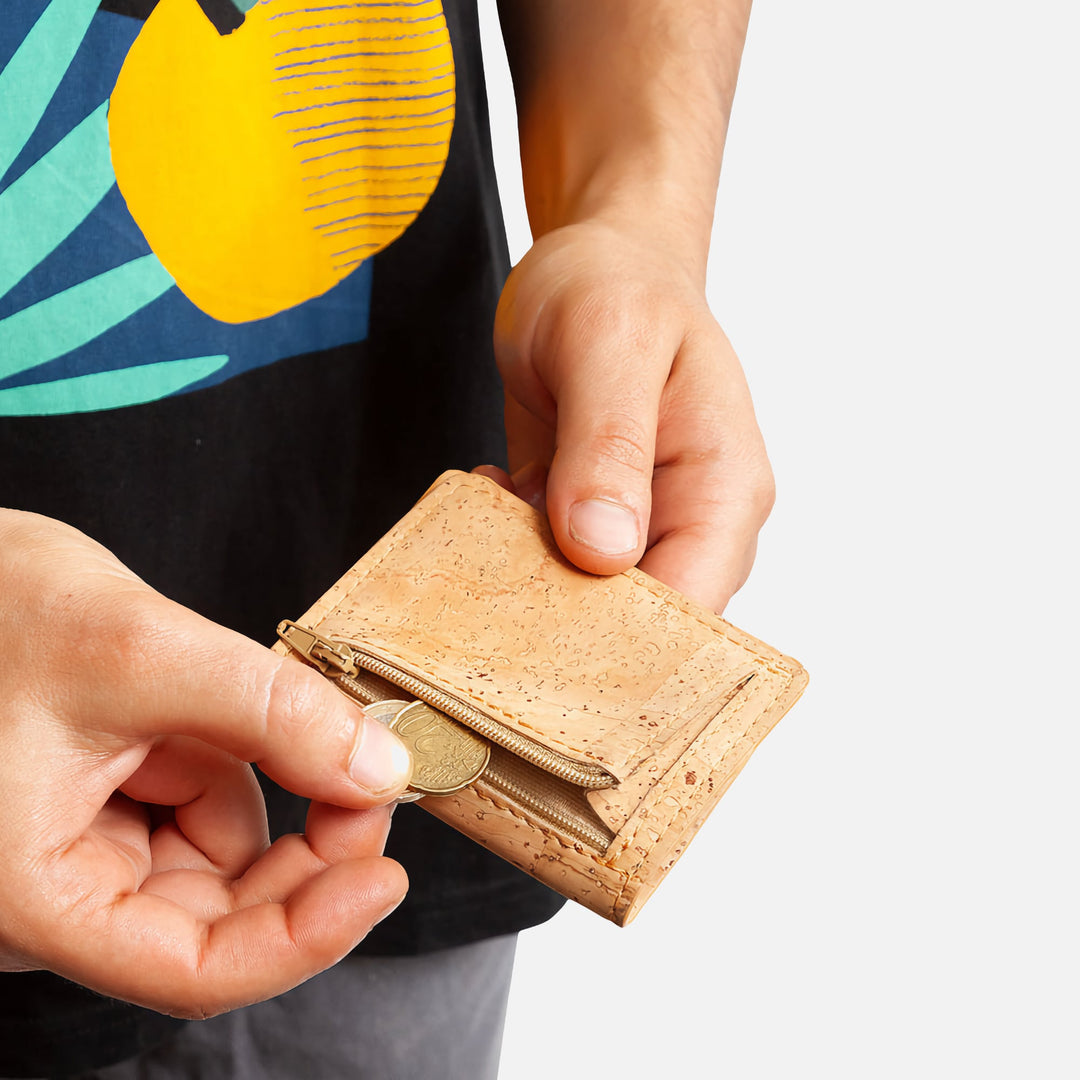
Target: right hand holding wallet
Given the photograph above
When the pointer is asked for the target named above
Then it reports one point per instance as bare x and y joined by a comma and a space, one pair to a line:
581, 727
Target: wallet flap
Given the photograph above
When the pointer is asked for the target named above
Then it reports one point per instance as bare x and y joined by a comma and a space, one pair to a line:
470, 592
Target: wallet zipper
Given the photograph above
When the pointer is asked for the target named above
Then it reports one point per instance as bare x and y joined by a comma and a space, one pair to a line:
559, 803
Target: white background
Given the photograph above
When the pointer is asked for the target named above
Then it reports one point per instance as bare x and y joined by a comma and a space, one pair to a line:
890, 887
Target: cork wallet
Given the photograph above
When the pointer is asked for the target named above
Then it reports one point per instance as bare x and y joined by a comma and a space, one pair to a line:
612, 713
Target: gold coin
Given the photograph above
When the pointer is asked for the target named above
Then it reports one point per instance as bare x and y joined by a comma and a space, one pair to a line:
447, 756
385, 711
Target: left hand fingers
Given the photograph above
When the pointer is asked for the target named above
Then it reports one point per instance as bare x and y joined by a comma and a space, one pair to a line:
606, 377
599, 487
713, 486
618, 376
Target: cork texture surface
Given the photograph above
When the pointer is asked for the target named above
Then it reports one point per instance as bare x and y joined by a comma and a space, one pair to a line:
470, 593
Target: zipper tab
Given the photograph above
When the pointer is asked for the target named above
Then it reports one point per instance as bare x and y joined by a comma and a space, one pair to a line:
318, 650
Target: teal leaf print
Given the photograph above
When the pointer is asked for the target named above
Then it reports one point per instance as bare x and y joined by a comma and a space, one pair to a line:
30, 79
39, 210
68, 319
108, 389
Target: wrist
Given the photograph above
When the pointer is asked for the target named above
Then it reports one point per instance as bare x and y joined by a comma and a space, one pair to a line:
622, 114
650, 188
612, 253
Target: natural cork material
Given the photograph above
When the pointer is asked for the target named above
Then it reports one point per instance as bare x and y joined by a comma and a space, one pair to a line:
470, 593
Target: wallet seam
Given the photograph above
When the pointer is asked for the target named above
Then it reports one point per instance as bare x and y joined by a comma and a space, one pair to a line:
640, 818
551, 834
650, 816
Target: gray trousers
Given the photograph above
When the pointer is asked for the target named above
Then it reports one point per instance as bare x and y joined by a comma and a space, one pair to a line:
433, 1017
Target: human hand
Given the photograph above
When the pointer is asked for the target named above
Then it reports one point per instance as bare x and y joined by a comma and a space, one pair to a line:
627, 413
134, 854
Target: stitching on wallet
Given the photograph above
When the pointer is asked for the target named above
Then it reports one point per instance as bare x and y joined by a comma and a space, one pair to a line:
764, 657
650, 816
550, 834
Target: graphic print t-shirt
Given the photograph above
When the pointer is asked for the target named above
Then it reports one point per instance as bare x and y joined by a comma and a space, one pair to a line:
249, 257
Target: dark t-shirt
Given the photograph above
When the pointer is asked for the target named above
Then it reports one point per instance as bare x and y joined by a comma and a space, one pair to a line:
238, 405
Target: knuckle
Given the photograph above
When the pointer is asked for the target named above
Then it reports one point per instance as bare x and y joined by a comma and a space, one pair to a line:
631, 321
612, 315
135, 634
624, 442
594, 314
296, 703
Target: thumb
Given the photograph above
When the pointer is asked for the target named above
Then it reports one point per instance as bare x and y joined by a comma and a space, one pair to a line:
599, 488
191, 676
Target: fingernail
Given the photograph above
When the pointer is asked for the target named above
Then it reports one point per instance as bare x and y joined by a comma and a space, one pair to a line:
381, 762
605, 526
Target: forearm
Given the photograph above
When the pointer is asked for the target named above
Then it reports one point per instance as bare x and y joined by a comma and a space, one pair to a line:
623, 108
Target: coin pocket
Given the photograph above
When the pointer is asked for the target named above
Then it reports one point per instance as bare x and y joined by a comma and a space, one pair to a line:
614, 711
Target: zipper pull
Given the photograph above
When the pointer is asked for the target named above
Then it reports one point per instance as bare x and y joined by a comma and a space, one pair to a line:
318, 650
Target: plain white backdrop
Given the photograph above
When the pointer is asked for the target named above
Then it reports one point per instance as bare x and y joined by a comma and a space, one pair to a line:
890, 888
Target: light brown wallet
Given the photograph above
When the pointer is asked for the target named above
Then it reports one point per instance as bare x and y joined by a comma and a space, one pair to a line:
617, 711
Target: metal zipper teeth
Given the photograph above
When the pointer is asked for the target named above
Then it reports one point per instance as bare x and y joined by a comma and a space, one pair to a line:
576, 828
575, 772
366, 693
358, 688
